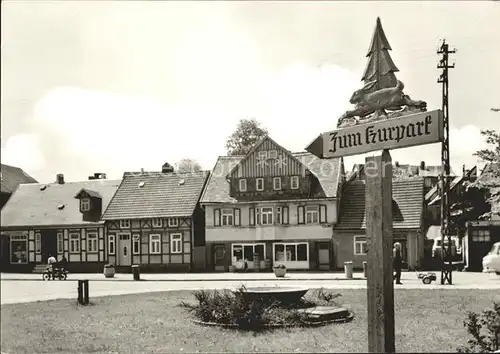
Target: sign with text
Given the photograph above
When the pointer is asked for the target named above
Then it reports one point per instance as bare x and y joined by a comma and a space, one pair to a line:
396, 133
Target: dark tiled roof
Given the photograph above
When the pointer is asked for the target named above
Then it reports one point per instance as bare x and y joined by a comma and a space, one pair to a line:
407, 194
31, 206
326, 170
13, 177
162, 195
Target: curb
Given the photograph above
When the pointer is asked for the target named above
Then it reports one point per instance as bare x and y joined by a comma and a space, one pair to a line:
349, 318
196, 280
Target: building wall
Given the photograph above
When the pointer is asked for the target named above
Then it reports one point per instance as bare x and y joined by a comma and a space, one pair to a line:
142, 230
79, 258
343, 247
480, 237
311, 263
291, 231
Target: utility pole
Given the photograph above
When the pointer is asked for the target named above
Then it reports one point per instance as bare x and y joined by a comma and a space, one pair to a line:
446, 255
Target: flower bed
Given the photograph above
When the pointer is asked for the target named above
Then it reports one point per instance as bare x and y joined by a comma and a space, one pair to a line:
233, 309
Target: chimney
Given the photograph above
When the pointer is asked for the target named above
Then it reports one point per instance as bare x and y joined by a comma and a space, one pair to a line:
60, 178
464, 171
422, 165
167, 168
98, 175
142, 171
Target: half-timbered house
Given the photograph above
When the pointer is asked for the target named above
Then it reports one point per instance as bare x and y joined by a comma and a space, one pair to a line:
57, 219
155, 221
407, 210
271, 207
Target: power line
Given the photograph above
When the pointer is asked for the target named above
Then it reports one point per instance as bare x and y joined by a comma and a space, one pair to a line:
446, 254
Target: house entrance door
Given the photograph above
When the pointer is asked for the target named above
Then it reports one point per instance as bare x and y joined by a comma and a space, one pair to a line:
324, 255
220, 257
48, 245
124, 250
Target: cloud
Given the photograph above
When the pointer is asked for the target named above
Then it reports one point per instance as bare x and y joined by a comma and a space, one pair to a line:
23, 150
119, 132
113, 133
464, 142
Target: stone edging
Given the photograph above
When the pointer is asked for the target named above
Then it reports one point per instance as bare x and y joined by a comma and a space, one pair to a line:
349, 318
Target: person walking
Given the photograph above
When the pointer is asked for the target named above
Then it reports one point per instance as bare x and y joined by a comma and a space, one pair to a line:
397, 262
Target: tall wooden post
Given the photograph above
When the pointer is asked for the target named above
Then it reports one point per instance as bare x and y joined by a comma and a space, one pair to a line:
381, 331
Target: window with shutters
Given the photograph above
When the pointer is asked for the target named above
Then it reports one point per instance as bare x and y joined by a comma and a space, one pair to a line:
265, 216
227, 217
312, 214
294, 182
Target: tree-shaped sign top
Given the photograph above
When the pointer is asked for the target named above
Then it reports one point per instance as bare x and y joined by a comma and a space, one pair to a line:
380, 66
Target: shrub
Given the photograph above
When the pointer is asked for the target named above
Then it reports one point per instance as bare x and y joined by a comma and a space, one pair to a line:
235, 308
485, 331
279, 266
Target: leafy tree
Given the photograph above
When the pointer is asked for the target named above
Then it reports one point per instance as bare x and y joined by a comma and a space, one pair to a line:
479, 196
484, 328
247, 134
490, 179
188, 165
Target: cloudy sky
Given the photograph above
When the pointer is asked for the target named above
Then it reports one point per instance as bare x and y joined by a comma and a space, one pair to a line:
92, 86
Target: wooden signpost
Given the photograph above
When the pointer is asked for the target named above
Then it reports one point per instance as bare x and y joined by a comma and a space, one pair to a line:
370, 128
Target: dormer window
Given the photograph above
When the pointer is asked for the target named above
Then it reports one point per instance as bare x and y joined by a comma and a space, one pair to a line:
277, 183
85, 204
294, 182
262, 155
273, 154
243, 185
259, 184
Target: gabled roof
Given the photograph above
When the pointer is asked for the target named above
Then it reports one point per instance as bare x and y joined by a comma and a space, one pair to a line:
34, 205
254, 148
156, 195
433, 196
327, 171
89, 192
11, 177
407, 195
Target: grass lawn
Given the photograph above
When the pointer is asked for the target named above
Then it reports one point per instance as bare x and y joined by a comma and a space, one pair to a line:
426, 321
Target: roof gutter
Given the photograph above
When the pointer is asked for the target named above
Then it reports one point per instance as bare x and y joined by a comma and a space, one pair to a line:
272, 201
67, 226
